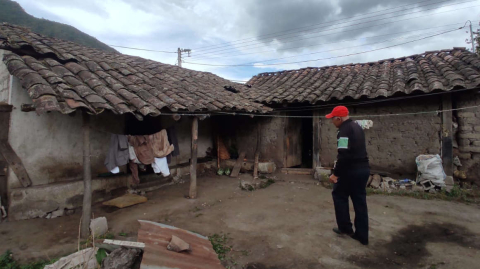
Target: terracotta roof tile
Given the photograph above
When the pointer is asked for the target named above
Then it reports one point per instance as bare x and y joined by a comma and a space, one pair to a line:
62, 76
442, 70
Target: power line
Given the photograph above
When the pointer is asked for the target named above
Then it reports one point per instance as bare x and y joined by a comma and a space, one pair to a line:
317, 52
142, 49
333, 57
295, 35
316, 45
295, 29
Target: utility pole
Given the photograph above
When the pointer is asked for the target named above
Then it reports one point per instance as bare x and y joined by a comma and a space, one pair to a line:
472, 40
179, 52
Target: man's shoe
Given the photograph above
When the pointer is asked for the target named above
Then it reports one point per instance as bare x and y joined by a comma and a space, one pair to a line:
337, 231
354, 236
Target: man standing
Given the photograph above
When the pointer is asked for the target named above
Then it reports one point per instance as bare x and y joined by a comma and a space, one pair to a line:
350, 176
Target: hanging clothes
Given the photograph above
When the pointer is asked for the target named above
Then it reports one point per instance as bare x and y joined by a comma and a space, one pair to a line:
142, 147
160, 165
160, 145
117, 152
115, 170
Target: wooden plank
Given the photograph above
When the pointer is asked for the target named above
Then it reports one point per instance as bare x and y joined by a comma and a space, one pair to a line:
87, 178
297, 171
193, 160
6, 108
257, 150
293, 141
238, 165
447, 137
316, 139
15, 163
126, 200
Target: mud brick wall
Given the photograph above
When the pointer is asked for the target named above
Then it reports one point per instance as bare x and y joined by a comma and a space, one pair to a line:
393, 142
242, 132
468, 136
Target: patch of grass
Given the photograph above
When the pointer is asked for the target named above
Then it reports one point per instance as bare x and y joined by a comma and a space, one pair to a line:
7, 262
467, 196
219, 243
106, 236
122, 234
267, 183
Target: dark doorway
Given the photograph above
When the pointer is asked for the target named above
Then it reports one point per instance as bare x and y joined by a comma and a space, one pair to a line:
4, 129
307, 142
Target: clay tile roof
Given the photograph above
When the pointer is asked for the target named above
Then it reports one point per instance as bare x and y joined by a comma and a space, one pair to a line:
62, 76
441, 70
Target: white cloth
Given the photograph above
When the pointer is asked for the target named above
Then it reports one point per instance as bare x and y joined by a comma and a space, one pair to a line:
365, 124
115, 170
160, 165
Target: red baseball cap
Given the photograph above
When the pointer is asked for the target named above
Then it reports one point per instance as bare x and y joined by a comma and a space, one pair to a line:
338, 111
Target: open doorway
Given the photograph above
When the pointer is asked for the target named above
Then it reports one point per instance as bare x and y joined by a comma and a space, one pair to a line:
298, 140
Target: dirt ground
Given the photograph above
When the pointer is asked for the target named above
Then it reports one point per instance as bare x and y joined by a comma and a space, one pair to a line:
287, 225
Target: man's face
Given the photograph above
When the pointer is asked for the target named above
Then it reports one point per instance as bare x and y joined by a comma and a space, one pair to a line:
337, 121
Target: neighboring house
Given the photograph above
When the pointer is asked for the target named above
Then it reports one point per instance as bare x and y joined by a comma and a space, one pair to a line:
415, 84
59, 82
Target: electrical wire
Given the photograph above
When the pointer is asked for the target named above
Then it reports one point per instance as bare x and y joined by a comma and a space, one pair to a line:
316, 45
329, 58
347, 26
142, 49
317, 52
296, 29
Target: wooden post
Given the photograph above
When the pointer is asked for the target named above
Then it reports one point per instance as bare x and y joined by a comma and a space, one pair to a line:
447, 134
257, 151
87, 178
316, 139
193, 160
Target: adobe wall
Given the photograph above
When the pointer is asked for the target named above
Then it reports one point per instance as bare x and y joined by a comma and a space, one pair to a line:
393, 142
50, 145
242, 131
468, 136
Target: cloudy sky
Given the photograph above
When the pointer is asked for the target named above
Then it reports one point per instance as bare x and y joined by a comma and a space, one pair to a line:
267, 35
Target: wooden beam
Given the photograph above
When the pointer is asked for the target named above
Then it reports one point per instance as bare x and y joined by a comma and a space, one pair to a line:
447, 134
193, 160
316, 139
176, 117
6, 108
15, 163
87, 178
257, 150
238, 165
297, 171
27, 108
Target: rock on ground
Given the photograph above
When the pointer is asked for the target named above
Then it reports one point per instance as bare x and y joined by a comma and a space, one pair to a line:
121, 258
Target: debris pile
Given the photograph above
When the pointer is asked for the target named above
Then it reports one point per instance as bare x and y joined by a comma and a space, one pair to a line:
388, 184
251, 185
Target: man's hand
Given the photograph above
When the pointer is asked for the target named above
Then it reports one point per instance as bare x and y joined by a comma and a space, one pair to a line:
333, 178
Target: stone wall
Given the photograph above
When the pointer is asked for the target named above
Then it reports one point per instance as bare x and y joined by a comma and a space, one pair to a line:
468, 136
393, 142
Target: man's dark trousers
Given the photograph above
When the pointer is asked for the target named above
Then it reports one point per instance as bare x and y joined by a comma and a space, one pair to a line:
352, 184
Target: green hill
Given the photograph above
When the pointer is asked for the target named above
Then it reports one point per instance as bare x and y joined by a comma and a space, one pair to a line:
13, 13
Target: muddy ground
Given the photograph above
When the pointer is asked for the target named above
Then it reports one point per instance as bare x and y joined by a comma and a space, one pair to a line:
287, 225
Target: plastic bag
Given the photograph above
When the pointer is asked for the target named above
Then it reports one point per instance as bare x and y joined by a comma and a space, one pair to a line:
430, 168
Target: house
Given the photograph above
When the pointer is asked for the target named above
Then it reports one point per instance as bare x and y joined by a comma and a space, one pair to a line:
403, 97
50, 88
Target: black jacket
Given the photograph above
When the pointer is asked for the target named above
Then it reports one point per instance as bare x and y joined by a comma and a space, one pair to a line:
352, 151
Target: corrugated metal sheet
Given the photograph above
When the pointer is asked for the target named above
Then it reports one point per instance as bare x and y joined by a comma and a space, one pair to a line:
156, 237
